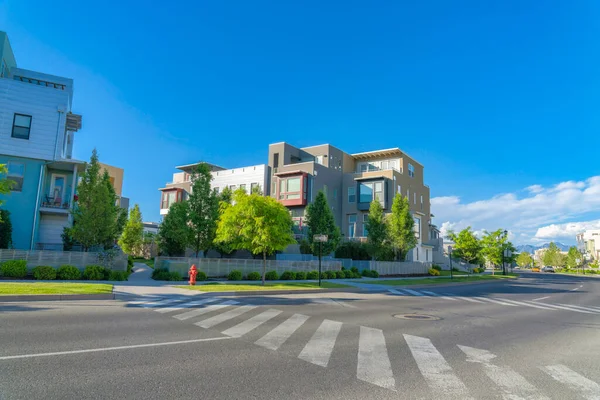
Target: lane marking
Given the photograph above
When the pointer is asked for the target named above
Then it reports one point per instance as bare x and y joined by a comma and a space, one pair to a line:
542, 298
185, 305
373, 362
469, 299
415, 293
521, 303
577, 288
226, 316
582, 308
514, 386
319, 347
274, 339
134, 346
396, 292
496, 301
207, 309
438, 295
587, 388
151, 304
564, 308
436, 371
244, 327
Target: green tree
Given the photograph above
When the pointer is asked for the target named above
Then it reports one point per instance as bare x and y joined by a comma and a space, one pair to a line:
256, 223
572, 257
402, 227
552, 255
524, 259
5, 184
225, 199
122, 215
174, 233
256, 190
133, 234
203, 209
377, 228
320, 221
5, 230
95, 213
494, 244
466, 246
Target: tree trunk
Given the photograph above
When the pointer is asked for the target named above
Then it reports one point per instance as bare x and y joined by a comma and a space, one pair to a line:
264, 267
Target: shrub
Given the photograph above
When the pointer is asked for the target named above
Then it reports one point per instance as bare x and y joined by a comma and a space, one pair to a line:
253, 276
118, 276
235, 275
354, 269
174, 276
436, 267
5, 230
271, 276
14, 269
160, 274
300, 275
348, 274
330, 275
44, 272
312, 275
95, 273
434, 272
201, 276
288, 276
374, 274
68, 273
130, 261
365, 272
353, 250
340, 274
356, 275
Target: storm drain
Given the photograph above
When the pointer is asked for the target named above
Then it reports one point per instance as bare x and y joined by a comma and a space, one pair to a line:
419, 317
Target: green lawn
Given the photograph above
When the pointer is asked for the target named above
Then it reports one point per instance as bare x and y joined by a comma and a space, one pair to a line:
429, 281
447, 273
225, 287
12, 288
149, 263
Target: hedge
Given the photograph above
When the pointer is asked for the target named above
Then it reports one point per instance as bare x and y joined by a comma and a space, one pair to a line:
288, 276
14, 269
68, 273
254, 276
271, 276
235, 275
95, 273
44, 272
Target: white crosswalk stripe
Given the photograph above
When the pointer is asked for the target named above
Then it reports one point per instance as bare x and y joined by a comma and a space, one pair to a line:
153, 304
415, 293
319, 347
522, 303
438, 295
581, 307
587, 389
469, 299
396, 292
185, 305
435, 369
274, 339
219, 318
204, 310
561, 307
495, 301
373, 362
514, 386
244, 327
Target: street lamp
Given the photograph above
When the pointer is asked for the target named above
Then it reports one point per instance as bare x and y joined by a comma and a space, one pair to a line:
320, 239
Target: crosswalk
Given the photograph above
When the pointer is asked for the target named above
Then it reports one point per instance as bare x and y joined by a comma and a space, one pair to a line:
497, 300
277, 329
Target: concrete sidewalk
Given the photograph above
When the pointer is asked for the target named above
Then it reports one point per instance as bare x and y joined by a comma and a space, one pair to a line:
140, 283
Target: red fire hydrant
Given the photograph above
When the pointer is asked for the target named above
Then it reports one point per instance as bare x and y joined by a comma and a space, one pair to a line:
192, 273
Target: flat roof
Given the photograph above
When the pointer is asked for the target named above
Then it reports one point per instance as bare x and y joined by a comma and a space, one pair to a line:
186, 167
394, 151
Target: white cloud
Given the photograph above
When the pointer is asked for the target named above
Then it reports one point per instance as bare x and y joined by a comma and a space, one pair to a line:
565, 231
541, 208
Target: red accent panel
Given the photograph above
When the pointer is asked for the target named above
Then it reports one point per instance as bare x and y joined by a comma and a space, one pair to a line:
303, 190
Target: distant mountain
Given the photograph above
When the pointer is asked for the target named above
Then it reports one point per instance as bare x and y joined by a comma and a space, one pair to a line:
528, 248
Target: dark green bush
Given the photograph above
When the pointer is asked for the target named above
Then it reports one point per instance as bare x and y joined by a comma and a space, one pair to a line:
118, 276
300, 275
68, 273
434, 272
330, 275
130, 261
312, 275
288, 276
161, 274
254, 276
201, 276
374, 274
340, 274
235, 275
14, 269
356, 275
174, 276
365, 272
44, 272
436, 267
354, 269
95, 273
353, 250
271, 276
348, 274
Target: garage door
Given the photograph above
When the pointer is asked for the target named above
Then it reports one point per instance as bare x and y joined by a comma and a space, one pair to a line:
51, 227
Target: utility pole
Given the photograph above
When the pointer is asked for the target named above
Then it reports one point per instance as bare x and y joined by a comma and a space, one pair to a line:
320, 239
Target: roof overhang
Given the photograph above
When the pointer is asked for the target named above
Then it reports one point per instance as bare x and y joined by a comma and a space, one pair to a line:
294, 172
192, 167
371, 178
370, 155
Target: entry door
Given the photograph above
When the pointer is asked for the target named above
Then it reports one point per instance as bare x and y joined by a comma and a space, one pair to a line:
57, 189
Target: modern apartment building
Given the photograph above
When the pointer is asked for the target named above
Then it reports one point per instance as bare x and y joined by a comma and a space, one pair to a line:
37, 131
247, 178
589, 241
116, 175
350, 182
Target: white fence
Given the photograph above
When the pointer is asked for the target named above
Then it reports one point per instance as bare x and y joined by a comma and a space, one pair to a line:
58, 258
220, 267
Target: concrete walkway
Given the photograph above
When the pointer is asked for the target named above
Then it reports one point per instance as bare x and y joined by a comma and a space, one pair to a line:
140, 283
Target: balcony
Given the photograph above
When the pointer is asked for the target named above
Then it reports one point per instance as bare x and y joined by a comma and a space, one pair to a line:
54, 205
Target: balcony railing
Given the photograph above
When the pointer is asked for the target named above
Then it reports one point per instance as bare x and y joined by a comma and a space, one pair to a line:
58, 203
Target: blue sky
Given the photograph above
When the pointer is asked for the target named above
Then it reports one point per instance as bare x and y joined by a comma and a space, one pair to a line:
492, 97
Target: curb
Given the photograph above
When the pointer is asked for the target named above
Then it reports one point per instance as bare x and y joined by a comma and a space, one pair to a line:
275, 292
57, 297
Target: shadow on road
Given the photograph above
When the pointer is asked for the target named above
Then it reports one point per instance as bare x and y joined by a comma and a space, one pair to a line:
20, 308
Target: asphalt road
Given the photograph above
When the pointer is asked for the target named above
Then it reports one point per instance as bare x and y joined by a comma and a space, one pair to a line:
535, 338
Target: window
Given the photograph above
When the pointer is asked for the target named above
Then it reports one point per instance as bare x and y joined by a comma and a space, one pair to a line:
273, 188
411, 170
366, 192
365, 220
16, 173
335, 194
384, 164
426, 255
417, 227
363, 167
170, 197
393, 164
378, 191
351, 225
289, 189
243, 187
232, 188
352, 194
415, 197
276, 160
21, 126
217, 190
319, 160
399, 189
421, 202
408, 195
254, 187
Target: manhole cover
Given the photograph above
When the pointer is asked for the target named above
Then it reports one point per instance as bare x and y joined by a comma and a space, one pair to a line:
421, 317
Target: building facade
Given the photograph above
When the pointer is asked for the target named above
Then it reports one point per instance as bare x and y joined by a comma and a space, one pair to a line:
589, 242
350, 182
116, 175
37, 131
247, 178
